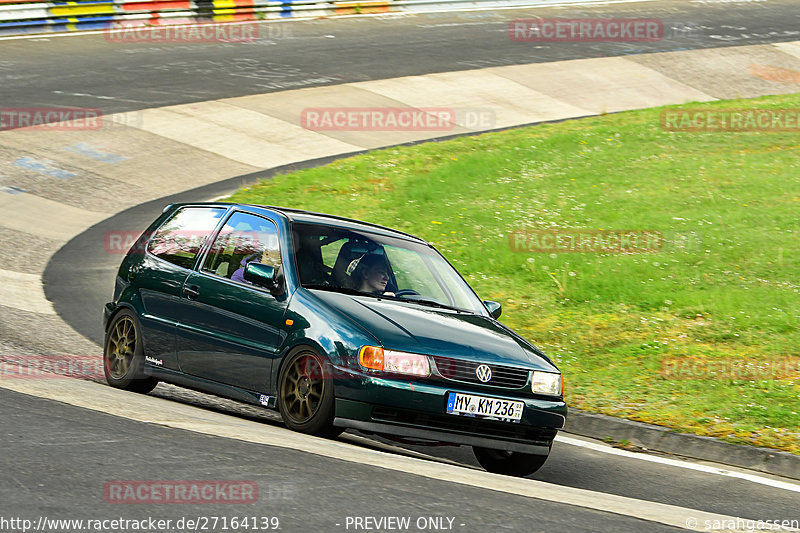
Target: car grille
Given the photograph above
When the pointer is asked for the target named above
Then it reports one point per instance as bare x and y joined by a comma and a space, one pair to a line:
502, 376
464, 424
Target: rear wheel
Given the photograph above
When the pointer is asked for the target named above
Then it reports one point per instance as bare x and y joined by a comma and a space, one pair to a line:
305, 395
123, 355
508, 463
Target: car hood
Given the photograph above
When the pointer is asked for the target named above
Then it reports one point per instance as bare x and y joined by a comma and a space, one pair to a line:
410, 327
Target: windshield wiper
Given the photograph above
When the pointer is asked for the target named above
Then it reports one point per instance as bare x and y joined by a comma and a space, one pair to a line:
430, 303
333, 288
347, 290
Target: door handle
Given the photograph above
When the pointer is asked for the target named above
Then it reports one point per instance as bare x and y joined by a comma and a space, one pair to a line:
191, 292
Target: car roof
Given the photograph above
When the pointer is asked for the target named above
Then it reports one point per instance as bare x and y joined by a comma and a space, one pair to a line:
311, 217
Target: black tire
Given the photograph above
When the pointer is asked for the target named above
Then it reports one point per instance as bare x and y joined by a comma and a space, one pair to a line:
123, 355
508, 463
305, 395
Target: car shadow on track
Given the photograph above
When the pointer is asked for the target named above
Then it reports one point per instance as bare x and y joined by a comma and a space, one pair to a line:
447, 454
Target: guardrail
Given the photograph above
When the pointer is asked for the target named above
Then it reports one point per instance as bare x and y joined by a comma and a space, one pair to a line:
24, 17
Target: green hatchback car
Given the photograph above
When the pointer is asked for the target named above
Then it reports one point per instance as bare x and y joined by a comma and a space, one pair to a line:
334, 322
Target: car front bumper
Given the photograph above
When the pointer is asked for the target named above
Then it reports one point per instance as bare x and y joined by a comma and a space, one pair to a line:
411, 408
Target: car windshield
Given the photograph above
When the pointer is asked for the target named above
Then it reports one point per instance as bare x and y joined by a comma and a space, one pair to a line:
361, 262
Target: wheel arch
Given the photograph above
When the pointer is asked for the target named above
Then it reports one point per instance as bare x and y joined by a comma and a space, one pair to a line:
120, 307
290, 350
337, 350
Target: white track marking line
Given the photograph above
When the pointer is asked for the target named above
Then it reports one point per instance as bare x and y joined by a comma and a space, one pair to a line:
774, 483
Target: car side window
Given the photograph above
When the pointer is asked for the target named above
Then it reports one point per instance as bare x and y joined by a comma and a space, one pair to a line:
243, 239
181, 237
330, 252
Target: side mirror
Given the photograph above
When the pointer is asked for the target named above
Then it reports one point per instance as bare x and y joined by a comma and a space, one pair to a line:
261, 275
494, 308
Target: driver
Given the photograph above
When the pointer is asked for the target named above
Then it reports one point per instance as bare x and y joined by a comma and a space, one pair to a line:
372, 274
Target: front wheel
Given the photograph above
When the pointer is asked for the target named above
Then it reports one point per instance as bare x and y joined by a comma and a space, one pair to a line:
305, 395
508, 463
123, 355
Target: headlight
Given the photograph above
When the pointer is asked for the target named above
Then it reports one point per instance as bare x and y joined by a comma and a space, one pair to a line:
376, 358
547, 383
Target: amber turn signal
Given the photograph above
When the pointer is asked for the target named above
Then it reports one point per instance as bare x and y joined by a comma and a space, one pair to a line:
371, 357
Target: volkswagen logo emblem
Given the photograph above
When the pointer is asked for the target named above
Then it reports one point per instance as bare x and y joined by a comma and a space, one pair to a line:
484, 373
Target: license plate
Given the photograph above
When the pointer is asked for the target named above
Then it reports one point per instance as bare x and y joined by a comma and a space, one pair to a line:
468, 404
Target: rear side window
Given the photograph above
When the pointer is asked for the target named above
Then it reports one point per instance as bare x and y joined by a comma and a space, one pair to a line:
181, 237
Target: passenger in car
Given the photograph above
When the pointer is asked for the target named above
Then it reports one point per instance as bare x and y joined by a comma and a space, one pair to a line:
239, 274
372, 274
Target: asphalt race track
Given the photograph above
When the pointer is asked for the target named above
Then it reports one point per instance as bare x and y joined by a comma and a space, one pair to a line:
61, 447
312, 494
94, 71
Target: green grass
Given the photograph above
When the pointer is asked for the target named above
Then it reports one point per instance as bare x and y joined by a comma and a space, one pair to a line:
725, 288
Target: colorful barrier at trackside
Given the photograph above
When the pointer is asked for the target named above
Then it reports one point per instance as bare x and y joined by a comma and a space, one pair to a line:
20, 17
23, 17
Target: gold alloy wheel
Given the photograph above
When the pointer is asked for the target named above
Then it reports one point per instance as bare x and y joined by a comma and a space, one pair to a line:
302, 388
121, 347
